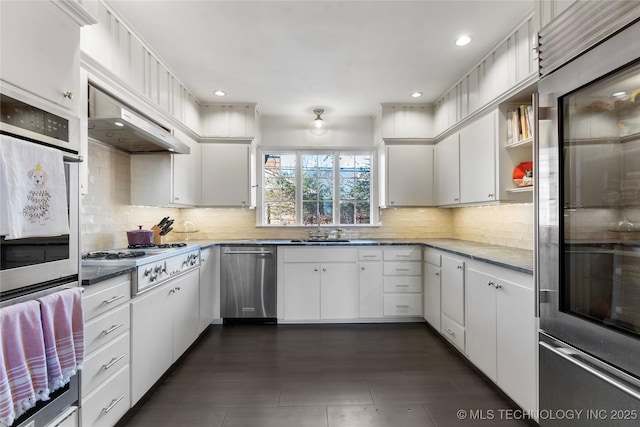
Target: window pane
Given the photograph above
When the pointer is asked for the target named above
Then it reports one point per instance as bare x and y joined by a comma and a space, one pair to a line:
279, 189
362, 190
309, 213
347, 210
363, 213
347, 188
280, 213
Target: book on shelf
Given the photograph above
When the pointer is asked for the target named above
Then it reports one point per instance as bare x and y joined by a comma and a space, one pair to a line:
519, 124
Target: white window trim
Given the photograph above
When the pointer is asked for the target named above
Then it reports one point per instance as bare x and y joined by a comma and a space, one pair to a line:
374, 215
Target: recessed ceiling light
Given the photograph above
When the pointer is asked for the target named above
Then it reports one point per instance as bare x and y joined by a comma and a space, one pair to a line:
619, 94
220, 93
463, 41
416, 94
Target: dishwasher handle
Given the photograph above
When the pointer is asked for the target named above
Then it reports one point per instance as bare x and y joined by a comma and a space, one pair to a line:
234, 252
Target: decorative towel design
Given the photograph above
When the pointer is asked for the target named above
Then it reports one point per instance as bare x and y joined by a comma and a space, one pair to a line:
63, 327
23, 371
34, 190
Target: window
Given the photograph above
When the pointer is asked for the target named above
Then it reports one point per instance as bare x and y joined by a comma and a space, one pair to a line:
310, 188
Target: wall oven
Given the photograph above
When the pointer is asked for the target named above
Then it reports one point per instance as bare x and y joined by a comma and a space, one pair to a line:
34, 260
588, 244
36, 266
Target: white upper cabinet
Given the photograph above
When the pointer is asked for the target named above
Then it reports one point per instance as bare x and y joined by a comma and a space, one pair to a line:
404, 122
229, 121
166, 179
512, 63
447, 160
39, 43
226, 174
409, 176
478, 160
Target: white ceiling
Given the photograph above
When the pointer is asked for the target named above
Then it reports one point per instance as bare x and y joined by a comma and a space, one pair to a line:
344, 56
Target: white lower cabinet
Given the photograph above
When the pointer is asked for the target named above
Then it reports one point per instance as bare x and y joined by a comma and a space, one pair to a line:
501, 329
164, 323
105, 378
370, 281
431, 292
320, 284
402, 284
209, 292
452, 296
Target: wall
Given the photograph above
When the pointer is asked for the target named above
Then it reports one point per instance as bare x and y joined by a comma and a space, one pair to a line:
280, 131
105, 212
106, 215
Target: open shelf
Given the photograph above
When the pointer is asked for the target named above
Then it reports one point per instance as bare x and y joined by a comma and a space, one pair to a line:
520, 189
524, 143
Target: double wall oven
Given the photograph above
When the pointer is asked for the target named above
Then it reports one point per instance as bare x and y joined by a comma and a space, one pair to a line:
588, 192
37, 266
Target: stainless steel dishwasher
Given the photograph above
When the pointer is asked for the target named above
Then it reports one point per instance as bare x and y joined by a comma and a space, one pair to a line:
248, 283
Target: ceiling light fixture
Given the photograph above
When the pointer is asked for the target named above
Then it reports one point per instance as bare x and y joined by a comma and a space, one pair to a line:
463, 40
318, 126
118, 124
416, 94
619, 94
219, 93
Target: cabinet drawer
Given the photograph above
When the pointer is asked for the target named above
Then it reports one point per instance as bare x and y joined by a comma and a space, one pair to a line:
109, 402
102, 364
320, 255
107, 295
408, 284
453, 332
402, 305
369, 254
432, 258
105, 328
413, 268
410, 253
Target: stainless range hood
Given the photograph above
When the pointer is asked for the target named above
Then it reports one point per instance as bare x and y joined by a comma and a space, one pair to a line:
113, 123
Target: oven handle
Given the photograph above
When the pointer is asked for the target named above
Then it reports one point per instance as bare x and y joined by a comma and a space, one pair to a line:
570, 356
71, 158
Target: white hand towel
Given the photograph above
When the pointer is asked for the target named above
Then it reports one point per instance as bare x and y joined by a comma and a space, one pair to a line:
34, 190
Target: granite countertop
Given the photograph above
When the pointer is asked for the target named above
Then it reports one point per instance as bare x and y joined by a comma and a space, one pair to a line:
96, 274
502, 256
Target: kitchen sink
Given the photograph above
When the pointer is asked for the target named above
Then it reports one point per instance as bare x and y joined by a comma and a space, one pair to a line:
320, 241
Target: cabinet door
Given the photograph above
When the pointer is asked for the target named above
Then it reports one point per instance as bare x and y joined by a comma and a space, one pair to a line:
186, 175
151, 339
339, 291
410, 175
481, 321
206, 288
225, 174
447, 155
432, 295
151, 179
370, 290
517, 342
478, 160
301, 291
186, 313
40, 48
453, 289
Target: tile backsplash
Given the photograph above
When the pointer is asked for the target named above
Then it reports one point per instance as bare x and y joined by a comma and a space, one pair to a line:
106, 216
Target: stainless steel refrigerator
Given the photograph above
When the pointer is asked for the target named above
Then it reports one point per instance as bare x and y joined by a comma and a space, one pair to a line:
588, 244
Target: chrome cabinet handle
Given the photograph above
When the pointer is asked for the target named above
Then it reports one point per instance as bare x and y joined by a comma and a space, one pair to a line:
68, 94
498, 286
402, 286
112, 328
450, 332
459, 267
456, 199
315, 269
109, 301
362, 268
402, 256
402, 306
177, 288
402, 269
369, 256
113, 403
113, 362
490, 284
437, 274
324, 269
490, 195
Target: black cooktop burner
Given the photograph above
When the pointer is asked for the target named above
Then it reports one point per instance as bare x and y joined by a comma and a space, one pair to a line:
153, 245
113, 255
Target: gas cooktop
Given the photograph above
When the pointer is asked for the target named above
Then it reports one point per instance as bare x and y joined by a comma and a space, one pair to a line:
136, 255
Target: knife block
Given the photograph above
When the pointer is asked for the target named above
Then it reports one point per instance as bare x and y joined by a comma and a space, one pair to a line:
157, 238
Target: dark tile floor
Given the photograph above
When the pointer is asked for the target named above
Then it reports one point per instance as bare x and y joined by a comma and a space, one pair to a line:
392, 375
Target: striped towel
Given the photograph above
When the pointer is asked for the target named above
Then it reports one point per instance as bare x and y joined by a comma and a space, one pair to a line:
23, 371
63, 327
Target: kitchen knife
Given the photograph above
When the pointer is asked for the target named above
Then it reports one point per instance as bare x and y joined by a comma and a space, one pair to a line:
166, 231
162, 222
167, 224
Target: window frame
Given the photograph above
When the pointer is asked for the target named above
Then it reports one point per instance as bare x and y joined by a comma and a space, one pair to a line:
336, 153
